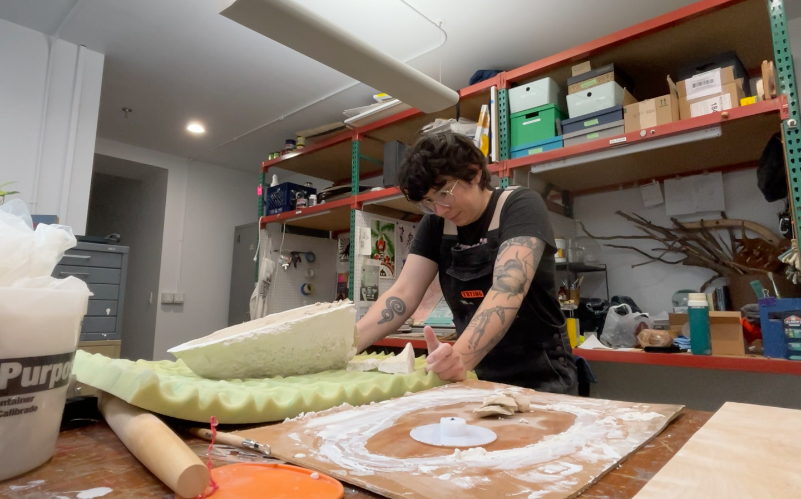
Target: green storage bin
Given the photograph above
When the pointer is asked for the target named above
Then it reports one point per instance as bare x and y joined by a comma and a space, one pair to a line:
535, 125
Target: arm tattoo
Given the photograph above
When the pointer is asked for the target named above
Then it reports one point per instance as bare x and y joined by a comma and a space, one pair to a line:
517, 261
394, 306
517, 272
482, 319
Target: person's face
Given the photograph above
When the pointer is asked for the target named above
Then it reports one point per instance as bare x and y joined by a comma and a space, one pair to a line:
459, 201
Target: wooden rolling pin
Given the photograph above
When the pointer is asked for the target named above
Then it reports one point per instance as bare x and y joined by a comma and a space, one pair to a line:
155, 446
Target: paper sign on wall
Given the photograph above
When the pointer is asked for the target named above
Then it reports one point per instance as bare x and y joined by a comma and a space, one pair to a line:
696, 194
651, 194
363, 241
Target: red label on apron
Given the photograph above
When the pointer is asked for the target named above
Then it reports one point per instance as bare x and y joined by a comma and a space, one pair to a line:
473, 294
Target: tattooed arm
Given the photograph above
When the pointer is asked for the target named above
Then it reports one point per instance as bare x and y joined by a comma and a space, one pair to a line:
398, 303
518, 259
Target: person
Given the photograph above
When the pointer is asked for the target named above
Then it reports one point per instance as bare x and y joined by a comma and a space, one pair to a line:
494, 252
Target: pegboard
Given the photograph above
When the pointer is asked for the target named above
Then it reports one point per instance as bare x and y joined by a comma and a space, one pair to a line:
363, 222
284, 292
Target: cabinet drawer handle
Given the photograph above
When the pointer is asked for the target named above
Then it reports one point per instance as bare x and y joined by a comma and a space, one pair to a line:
75, 274
80, 257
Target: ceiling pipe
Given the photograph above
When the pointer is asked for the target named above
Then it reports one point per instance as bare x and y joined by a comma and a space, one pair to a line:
306, 32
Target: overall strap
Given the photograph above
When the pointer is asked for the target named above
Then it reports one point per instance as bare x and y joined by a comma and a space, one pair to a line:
449, 228
496, 217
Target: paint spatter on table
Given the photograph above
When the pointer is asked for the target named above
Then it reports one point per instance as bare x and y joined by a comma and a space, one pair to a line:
29, 485
93, 493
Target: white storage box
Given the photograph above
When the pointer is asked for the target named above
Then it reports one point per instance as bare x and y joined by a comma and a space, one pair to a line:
535, 94
597, 99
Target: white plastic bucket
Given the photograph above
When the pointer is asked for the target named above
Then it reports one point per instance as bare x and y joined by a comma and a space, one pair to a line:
39, 330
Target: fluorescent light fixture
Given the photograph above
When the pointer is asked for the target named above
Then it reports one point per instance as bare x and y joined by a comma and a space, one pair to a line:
623, 149
195, 128
304, 31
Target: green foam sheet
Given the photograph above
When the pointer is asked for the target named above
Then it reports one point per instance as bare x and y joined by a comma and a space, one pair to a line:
172, 389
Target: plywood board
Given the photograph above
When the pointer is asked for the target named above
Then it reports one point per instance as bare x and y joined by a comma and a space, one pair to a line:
555, 451
744, 451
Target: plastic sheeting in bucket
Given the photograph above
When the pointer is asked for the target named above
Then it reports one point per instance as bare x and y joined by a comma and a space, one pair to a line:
40, 322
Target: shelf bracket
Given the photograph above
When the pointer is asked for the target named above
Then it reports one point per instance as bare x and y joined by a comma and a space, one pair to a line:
354, 190
791, 128
503, 124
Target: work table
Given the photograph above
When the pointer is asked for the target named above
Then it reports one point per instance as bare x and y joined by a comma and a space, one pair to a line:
93, 456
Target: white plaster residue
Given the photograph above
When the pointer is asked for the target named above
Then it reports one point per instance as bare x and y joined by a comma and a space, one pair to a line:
29, 485
446, 476
537, 494
343, 437
640, 416
609, 451
93, 493
300, 456
294, 436
315, 476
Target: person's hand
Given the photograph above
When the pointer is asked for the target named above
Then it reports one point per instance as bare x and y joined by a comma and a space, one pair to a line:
442, 359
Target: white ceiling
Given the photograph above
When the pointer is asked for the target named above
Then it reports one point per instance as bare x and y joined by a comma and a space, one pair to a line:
173, 61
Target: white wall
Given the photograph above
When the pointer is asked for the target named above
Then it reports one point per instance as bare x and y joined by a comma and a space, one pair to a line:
67, 107
204, 204
651, 286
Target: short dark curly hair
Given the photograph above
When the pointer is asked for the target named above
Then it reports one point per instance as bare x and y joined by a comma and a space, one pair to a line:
435, 159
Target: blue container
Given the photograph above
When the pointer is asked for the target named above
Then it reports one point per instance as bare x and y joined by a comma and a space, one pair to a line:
698, 312
771, 315
282, 197
537, 147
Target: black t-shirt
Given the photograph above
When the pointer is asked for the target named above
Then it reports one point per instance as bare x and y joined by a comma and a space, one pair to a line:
523, 215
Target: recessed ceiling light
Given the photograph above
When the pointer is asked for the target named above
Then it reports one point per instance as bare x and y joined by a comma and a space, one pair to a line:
195, 128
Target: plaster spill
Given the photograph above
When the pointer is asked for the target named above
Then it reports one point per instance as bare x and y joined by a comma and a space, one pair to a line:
315, 476
294, 436
93, 493
29, 485
557, 463
300, 456
62, 497
640, 416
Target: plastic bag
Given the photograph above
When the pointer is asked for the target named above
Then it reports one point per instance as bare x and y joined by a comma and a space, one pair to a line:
25, 253
620, 331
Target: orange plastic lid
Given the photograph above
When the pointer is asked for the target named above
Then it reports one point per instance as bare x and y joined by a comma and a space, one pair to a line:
272, 481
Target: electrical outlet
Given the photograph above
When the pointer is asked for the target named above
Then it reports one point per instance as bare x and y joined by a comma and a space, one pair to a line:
178, 299
167, 298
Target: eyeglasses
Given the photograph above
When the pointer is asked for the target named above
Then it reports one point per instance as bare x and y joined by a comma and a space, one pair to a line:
443, 197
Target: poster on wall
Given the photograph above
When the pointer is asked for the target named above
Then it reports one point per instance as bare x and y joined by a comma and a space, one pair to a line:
382, 239
406, 232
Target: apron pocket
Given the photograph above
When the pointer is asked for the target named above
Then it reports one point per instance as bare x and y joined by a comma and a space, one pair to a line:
471, 263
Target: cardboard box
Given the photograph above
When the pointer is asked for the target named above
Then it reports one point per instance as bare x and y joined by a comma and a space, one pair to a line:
706, 84
653, 112
582, 68
725, 331
728, 98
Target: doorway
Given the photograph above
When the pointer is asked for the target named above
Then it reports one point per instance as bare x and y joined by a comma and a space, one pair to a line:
129, 199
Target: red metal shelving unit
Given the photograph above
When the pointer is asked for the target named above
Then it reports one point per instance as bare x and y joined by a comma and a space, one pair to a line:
746, 364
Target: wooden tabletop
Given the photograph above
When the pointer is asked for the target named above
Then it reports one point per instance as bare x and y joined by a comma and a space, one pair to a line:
93, 457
